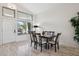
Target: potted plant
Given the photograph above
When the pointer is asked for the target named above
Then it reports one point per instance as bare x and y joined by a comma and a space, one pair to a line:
75, 23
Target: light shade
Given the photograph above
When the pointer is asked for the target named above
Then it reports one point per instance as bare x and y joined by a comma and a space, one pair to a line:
35, 26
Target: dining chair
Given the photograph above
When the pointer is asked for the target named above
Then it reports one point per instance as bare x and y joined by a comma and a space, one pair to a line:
35, 39
42, 42
31, 36
55, 41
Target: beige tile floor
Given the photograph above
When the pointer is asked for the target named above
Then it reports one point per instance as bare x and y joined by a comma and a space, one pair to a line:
63, 51
23, 48
15, 49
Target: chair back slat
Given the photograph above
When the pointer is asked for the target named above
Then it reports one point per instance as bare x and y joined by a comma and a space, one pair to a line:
37, 36
57, 36
32, 35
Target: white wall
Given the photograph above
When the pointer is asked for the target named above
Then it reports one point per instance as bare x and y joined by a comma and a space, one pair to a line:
57, 19
0, 32
0, 28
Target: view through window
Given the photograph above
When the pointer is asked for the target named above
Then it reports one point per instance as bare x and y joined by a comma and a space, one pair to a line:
22, 27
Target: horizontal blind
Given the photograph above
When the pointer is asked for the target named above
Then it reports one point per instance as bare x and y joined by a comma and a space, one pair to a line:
23, 15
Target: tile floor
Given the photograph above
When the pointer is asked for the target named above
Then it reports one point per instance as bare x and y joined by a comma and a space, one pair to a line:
23, 48
15, 49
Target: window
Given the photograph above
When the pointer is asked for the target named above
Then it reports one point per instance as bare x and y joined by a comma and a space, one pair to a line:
22, 27
24, 22
22, 15
8, 12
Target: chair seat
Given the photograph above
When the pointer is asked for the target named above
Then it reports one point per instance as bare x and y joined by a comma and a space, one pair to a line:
52, 42
43, 41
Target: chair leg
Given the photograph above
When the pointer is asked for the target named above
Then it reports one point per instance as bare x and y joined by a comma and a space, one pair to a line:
48, 46
51, 45
36, 45
55, 48
31, 43
58, 46
41, 47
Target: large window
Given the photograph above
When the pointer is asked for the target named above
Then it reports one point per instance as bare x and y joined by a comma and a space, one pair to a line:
24, 23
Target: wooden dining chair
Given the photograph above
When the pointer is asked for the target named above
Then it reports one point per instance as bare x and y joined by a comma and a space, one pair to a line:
55, 41
42, 42
31, 36
37, 39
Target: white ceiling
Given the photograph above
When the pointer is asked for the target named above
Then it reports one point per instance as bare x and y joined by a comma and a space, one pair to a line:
40, 7
37, 7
